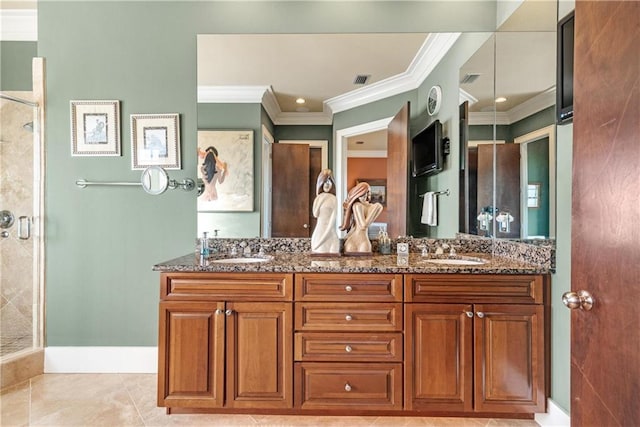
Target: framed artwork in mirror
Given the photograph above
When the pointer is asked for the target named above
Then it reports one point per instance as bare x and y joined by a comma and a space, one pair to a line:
225, 168
533, 195
95, 128
155, 141
378, 190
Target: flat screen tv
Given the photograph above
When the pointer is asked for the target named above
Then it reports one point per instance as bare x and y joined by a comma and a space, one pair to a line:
427, 150
564, 84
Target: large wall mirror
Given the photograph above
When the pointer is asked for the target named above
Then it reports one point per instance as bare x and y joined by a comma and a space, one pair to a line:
237, 90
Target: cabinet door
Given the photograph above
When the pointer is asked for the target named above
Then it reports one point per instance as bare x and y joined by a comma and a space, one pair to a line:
509, 361
260, 355
191, 359
438, 357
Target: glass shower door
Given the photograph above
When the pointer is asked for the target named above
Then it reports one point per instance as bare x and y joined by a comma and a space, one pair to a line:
19, 246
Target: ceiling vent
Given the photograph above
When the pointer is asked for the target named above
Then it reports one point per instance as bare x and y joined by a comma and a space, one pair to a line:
361, 79
469, 78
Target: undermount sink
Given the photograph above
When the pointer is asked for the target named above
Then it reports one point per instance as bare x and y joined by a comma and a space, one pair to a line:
457, 261
246, 260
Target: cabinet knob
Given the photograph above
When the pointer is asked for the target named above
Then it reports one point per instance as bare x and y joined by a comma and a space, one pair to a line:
347, 387
219, 311
228, 312
348, 318
581, 299
480, 314
305, 225
469, 313
348, 349
348, 288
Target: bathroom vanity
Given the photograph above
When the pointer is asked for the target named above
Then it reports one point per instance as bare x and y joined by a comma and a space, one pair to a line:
383, 335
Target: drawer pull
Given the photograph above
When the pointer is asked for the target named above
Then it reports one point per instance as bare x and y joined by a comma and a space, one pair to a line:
480, 314
347, 387
348, 349
469, 313
219, 311
348, 318
228, 312
348, 288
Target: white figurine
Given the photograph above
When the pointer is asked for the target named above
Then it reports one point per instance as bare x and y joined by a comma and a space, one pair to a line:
324, 239
359, 213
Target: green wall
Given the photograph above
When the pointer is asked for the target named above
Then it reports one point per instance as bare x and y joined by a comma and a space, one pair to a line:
101, 242
15, 65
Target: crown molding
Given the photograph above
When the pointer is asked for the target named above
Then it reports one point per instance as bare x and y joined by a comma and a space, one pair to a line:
231, 94
18, 25
466, 96
431, 52
538, 103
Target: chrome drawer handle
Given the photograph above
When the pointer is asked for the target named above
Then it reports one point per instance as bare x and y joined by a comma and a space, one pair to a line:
348, 349
348, 288
347, 387
348, 318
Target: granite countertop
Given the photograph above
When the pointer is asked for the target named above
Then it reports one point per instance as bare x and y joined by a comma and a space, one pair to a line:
298, 262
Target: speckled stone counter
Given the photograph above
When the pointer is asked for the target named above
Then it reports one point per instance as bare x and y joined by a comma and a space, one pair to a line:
294, 255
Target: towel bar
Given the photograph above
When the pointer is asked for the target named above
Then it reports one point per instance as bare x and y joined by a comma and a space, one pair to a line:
439, 193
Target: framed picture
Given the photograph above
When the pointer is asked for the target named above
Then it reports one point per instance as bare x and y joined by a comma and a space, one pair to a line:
533, 195
155, 141
225, 166
95, 128
378, 190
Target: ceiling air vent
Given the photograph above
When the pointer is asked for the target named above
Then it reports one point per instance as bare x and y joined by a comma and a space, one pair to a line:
469, 78
361, 79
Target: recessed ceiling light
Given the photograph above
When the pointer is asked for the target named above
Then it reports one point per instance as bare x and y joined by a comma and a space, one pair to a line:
501, 99
300, 101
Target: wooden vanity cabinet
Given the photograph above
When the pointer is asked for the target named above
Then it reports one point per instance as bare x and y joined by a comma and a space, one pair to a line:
217, 332
476, 343
348, 342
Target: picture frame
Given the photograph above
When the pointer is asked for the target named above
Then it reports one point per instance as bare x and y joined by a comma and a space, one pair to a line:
225, 168
533, 195
95, 128
155, 141
378, 190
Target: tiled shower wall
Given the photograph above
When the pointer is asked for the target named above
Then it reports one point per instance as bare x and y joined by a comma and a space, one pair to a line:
16, 256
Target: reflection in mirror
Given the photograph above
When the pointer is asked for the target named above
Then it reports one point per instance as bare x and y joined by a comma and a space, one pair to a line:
511, 137
155, 180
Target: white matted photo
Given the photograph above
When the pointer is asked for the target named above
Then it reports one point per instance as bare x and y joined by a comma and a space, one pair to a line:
155, 141
225, 166
95, 128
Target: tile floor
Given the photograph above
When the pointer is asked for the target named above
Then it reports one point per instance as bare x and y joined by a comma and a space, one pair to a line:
123, 400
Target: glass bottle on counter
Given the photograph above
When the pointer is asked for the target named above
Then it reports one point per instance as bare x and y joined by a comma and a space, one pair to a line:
384, 242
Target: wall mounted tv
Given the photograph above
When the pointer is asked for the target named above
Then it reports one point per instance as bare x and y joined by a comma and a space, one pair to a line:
564, 84
428, 149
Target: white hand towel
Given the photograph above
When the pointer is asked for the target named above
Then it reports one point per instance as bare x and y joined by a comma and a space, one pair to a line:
430, 209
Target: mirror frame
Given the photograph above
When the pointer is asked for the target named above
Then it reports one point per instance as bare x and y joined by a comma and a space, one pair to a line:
147, 178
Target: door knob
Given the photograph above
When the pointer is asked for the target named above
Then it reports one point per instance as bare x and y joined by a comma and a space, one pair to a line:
580, 299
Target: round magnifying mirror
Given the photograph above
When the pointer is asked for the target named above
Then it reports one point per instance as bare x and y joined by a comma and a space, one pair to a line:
155, 180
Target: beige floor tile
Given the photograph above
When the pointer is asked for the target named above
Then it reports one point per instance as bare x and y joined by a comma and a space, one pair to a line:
14, 405
128, 400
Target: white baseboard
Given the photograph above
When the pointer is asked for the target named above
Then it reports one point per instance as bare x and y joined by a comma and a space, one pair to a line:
555, 416
101, 360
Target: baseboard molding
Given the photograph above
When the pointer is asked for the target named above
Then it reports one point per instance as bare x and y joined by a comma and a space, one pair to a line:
554, 417
101, 360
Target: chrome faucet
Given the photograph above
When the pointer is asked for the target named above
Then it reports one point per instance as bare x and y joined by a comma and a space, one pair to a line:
440, 249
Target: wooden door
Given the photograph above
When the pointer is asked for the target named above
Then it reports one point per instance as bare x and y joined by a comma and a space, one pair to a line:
290, 192
605, 242
260, 355
509, 358
397, 173
191, 367
438, 357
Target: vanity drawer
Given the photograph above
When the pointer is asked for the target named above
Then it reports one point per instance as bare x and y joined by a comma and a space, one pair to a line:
222, 286
348, 317
348, 287
513, 289
362, 386
348, 347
